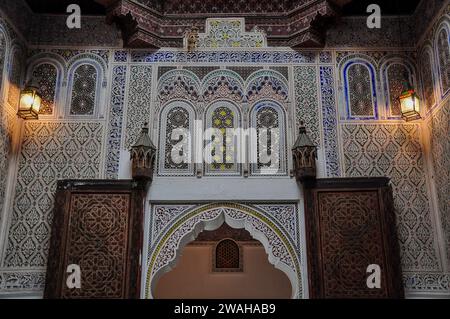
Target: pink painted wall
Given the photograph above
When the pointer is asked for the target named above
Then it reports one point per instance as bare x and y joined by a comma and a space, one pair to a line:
193, 277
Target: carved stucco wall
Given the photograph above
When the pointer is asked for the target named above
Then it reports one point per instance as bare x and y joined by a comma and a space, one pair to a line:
56, 147
440, 149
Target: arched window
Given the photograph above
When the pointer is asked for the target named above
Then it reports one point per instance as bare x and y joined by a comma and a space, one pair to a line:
360, 91
2, 57
427, 76
222, 118
84, 87
176, 138
227, 256
269, 155
45, 75
394, 78
443, 48
15, 76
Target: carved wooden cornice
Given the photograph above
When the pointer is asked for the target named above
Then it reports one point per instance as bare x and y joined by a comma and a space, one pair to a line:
156, 24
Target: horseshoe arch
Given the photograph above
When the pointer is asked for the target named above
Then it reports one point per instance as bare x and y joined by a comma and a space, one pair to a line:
164, 253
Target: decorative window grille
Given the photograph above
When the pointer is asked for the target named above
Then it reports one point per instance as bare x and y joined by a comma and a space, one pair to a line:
45, 76
227, 256
84, 84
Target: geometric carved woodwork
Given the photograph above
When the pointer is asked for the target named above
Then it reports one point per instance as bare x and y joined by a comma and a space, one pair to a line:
156, 24
350, 224
97, 225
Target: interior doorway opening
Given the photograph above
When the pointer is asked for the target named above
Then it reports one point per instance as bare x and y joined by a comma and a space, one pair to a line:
226, 263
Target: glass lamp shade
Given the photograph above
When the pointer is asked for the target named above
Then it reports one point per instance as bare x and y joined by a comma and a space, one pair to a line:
30, 103
410, 105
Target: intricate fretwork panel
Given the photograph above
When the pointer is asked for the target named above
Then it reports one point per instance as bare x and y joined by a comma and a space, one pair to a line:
395, 151
351, 240
50, 151
395, 81
306, 101
139, 102
227, 256
443, 48
330, 121
284, 215
222, 118
359, 83
45, 76
230, 33
176, 136
233, 56
440, 150
178, 84
271, 157
162, 215
267, 84
119, 75
223, 84
427, 76
97, 231
84, 85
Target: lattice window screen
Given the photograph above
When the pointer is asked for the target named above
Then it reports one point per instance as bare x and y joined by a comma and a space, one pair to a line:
84, 90
227, 255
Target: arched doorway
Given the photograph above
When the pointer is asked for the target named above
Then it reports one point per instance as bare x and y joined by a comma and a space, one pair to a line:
165, 252
226, 263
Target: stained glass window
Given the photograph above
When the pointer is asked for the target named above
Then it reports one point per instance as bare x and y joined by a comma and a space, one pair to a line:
83, 90
222, 118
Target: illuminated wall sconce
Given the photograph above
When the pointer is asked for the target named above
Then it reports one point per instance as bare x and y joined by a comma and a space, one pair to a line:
409, 103
30, 102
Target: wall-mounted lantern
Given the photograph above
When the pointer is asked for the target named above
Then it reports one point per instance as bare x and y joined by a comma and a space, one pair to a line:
409, 103
143, 154
304, 153
29, 102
